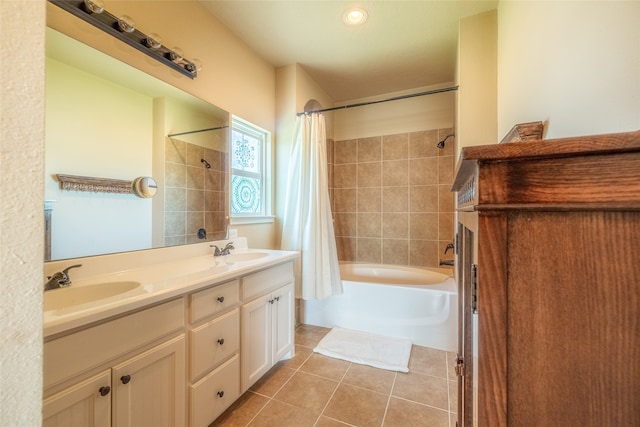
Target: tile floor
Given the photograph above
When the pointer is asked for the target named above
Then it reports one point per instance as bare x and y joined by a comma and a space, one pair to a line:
314, 390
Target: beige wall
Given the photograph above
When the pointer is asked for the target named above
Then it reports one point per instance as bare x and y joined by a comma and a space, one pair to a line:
21, 216
476, 102
574, 64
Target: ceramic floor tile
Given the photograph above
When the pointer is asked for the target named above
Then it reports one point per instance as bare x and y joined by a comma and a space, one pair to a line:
280, 414
432, 391
301, 355
324, 366
273, 381
374, 379
402, 413
242, 411
307, 391
428, 361
357, 406
310, 336
328, 422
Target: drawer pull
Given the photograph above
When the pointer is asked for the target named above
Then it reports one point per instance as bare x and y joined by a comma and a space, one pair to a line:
220, 299
221, 341
220, 393
104, 390
271, 301
125, 379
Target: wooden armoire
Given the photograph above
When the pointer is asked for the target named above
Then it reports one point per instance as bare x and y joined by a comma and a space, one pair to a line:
548, 262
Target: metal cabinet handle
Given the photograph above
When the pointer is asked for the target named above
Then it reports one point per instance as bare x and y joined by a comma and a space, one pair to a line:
220, 299
125, 379
221, 341
220, 393
104, 390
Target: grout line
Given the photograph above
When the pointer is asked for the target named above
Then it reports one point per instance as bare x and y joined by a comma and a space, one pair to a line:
386, 408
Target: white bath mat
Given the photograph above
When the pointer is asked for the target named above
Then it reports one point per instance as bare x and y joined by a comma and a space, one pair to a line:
366, 349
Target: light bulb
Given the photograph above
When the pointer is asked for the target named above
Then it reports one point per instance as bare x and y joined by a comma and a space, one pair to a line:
94, 6
153, 41
126, 24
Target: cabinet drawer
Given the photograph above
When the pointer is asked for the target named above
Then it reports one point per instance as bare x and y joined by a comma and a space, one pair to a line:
213, 342
264, 281
72, 354
210, 396
214, 300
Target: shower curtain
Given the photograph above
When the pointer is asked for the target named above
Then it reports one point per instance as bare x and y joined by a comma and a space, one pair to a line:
307, 223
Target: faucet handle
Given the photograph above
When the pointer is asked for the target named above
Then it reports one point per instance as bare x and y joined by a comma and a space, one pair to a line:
65, 273
216, 250
449, 246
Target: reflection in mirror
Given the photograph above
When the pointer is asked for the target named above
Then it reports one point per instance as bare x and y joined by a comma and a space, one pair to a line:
105, 119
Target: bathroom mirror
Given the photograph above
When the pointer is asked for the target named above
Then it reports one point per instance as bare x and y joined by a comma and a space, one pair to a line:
106, 119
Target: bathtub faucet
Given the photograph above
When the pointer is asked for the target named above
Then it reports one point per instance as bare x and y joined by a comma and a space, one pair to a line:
447, 262
226, 251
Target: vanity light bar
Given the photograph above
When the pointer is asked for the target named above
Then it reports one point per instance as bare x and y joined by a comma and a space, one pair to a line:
123, 29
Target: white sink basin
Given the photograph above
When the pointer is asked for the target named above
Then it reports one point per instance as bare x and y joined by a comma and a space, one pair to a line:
242, 257
57, 299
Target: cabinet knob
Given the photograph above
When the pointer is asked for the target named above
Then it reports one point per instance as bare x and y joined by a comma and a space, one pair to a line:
125, 379
221, 341
220, 299
220, 393
271, 301
277, 298
104, 390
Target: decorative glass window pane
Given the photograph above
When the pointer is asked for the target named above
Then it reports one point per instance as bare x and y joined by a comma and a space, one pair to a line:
245, 154
245, 195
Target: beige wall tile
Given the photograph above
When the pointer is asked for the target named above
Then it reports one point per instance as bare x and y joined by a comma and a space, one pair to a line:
395, 251
369, 174
195, 177
369, 224
211, 201
175, 224
446, 227
212, 180
369, 149
423, 226
423, 171
195, 220
445, 198
423, 253
395, 172
345, 151
347, 248
344, 175
445, 169
395, 147
195, 200
345, 200
395, 225
370, 199
369, 250
423, 144
175, 199
194, 155
345, 224
423, 198
175, 151
175, 175
395, 199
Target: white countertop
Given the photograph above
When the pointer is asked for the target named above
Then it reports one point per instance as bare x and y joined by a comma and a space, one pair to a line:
169, 277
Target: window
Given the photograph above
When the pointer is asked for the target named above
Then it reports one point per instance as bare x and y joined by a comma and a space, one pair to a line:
249, 167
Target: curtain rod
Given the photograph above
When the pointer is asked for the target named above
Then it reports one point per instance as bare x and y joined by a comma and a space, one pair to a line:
360, 104
196, 131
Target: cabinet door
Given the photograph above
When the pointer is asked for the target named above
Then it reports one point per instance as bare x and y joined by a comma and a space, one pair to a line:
256, 340
283, 322
86, 404
149, 389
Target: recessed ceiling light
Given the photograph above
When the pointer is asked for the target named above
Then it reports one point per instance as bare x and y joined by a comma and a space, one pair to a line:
355, 16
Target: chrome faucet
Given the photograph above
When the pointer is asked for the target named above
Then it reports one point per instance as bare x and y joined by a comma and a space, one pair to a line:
226, 251
60, 279
448, 262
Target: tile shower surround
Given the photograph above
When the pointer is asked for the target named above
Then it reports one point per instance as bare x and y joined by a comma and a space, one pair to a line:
391, 197
195, 197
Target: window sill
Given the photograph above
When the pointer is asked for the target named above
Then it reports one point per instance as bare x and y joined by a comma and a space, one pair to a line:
242, 220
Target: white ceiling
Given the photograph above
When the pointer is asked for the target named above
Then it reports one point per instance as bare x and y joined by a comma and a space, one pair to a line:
403, 45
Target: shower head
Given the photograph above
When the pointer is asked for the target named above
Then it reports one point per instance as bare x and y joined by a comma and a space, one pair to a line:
441, 143
206, 164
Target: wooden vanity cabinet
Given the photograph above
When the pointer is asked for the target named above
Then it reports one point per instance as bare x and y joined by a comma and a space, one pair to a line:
550, 282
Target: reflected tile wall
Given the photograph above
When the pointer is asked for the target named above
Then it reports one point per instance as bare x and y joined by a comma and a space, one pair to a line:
195, 196
391, 197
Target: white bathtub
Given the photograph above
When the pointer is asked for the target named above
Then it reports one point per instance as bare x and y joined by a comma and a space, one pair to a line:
404, 302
